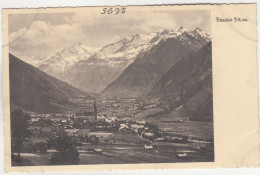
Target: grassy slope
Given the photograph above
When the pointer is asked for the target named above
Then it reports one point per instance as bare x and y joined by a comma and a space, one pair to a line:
34, 90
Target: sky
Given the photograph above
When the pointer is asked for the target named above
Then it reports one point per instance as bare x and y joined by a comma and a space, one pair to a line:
47, 33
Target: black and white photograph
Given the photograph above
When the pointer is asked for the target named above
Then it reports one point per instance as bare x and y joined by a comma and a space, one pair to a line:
112, 87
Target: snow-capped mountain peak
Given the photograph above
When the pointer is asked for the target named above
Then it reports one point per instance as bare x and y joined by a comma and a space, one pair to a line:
37, 60
126, 48
136, 38
202, 34
78, 48
198, 29
129, 47
181, 29
66, 58
38, 57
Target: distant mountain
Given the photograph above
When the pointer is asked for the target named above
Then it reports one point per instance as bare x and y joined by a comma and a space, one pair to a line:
37, 60
93, 70
59, 63
95, 73
74, 64
188, 85
33, 90
167, 48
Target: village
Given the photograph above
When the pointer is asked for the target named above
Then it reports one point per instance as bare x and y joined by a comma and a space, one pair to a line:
109, 135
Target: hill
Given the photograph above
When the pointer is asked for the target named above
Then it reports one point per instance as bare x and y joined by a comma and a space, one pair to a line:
33, 90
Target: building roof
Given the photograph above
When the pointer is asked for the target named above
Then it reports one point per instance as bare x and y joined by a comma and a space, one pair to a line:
86, 113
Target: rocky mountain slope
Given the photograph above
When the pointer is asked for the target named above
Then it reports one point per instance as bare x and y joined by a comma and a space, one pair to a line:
33, 90
167, 49
188, 85
95, 73
58, 64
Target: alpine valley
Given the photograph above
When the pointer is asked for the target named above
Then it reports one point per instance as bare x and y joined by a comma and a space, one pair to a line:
146, 98
172, 67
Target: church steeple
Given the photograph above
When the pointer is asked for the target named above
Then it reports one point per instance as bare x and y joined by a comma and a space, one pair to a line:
95, 108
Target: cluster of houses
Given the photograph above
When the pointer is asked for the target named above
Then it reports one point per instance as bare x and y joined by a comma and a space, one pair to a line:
140, 127
91, 121
147, 131
131, 126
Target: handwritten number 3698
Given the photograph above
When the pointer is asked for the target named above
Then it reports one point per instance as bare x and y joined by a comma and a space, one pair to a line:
113, 10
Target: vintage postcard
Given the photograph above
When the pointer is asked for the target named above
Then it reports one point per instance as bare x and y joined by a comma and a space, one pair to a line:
133, 87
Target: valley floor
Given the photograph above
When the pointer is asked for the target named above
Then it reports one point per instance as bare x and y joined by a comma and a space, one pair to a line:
124, 146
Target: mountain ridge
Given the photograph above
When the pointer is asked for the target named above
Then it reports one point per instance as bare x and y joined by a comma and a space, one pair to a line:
188, 84
139, 77
33, 90
106, 65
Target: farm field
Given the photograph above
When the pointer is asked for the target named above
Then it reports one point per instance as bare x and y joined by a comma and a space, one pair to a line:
119, 155
178, 124
119, 148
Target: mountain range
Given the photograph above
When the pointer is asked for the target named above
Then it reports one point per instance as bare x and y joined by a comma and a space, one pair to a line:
147, 68
74, 64
59, 63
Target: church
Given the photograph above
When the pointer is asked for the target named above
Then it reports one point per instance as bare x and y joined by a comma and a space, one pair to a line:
88, 115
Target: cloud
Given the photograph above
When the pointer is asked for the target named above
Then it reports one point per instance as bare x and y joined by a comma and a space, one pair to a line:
17, 35
50, 33
158, 20
41, 33
134, 20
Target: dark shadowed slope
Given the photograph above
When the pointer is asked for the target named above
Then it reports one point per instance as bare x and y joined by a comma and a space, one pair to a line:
139, 77
189, 84
34, 90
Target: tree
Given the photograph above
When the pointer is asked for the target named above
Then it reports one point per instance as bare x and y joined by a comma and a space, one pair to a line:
93, 139
44, 122
67, 152
19, 129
